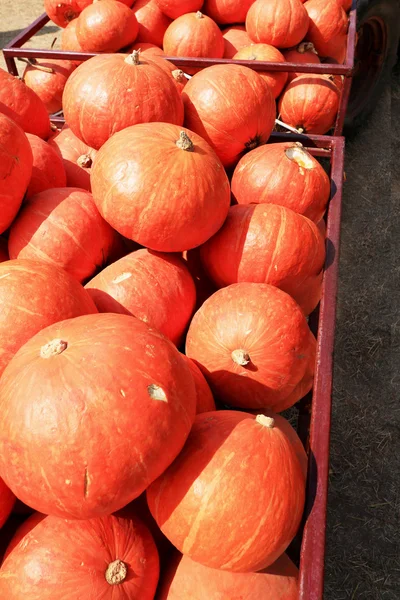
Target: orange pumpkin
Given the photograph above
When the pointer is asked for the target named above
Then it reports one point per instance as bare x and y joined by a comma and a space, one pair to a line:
69, 41
207, 490
47, 170
184, 578
19, 103
15, 169
281, 23
77, 158
47, 79
176, 8
266, 243
327, 28
276, 80
305, 53
106, 26
23, 530
227, 11
194, 35
209, 97
253, 344
178, 76
204, 286
156, 288
109, 93
262, 176
64, 12
175, 194
235, 38
205, 401
310, 104
152, 22
63, 227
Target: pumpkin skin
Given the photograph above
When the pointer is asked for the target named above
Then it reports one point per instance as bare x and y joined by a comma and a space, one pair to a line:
18, 102
100, 558
3, 250
152, 22
63, 227
194, 34
69, 41
205, 400
34, 295
256, 360
77, 158
327, 30
235, 38
207, 489
227, 11
156, 288
47, 170
106, 26
184, 578
49, 86
7, 501
310, 104
15, 169
208, 99
147, 50
109, 463
305, 53
118, 87
180, 159
276, 80
62, 13
204, 286
176, 8
266, 243
346, 4
178, 76
22, 530
280, 23
262, 176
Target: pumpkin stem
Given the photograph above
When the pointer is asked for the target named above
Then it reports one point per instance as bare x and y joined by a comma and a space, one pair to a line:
134, 58
240, 357
300, 156
53, 348
179, 75
156, 392
116, 572
184, 142
84, 161
32, 62
253, 143
199, 15
306, 47
265, 421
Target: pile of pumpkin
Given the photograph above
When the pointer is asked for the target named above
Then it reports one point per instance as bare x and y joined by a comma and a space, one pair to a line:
261, 30
164, 260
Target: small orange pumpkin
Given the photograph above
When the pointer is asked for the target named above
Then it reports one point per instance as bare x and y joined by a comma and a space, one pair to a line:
277, 79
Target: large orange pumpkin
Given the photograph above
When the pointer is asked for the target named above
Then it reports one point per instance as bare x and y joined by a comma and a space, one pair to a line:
64, 11
310, 103
34, 295
122, 405
48, 168
22, 530
106, 26
284, 174
305, 53
152, 22
47, 79
161, 186
109, 93
176, 8
15, 169
77, 158
231, 107
281, 23
266, 243
227, 11
235, 38
327, 28
69, 41
184, 578
156, 288
212, 511
276, 80
194, 35
205, 400
7, 501
253, 344
111, 557
19, 103
63, 227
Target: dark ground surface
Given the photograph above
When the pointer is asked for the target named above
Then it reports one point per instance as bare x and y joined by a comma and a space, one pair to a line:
363, 550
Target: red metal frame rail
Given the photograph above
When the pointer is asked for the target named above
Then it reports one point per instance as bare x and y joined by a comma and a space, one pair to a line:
14, 50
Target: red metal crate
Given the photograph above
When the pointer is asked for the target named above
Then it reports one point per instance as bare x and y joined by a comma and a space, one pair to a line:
14, 50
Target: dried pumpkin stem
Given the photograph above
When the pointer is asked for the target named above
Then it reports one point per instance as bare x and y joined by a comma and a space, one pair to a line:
306, 47
184, 142
240, 357
265, 421
53, 348
134, 58
84, 161
178, 75
199, 15
32, 62
116, 572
